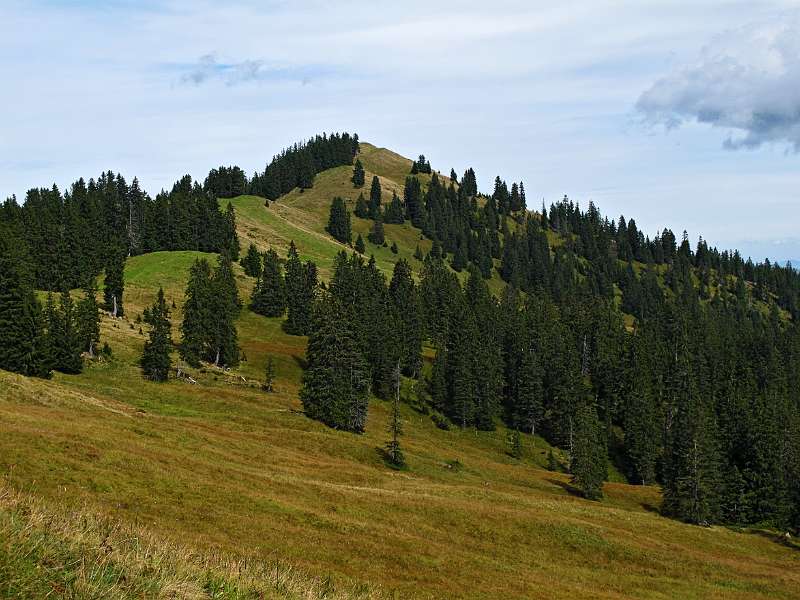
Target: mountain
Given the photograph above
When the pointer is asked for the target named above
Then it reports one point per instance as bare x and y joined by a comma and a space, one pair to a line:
208, 486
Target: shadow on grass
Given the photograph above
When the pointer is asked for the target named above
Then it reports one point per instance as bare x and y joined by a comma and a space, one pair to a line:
784, 539
650, 508
568, 487
387, 460
301, 362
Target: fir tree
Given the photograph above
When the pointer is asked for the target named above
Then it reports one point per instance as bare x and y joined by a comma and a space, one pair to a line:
21, 337
336, 383
115, 283
225, 309
269, 294
198, 317
230, 239
395, 428
375, 198
376, 235
394, 213
358, 174
404, 297
394, 248
339, 221
301, 284
269, 375
251, 262
64, 339
589, 460
359, 245
155, 361
362, 208
515, 443
88, 317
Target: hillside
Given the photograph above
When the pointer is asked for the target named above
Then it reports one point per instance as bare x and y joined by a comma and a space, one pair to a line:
227, 487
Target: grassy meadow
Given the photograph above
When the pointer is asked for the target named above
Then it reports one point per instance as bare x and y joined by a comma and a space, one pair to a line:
112, 486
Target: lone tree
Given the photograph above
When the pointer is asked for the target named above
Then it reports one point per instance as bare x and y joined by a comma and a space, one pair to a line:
358, 174
115, 283
336, 384
393, 450
359, 245
589, 464
269, 375
375, 198
269, 295
155, 360
339, 221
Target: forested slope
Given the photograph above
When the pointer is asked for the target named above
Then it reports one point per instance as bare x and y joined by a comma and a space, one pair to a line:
541, 353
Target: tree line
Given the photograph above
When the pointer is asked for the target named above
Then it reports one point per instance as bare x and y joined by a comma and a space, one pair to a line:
74, 236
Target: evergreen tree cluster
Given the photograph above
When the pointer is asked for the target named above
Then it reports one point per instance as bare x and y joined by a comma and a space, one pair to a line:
421, 166
226, 182
98, 224
372, 329
296, 166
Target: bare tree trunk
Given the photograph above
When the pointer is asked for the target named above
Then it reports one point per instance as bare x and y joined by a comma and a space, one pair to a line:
114, 311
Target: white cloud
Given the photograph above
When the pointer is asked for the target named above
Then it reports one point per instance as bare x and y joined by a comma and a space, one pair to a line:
746, 81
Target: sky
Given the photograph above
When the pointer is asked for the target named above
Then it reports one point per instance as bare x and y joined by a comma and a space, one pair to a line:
682, 114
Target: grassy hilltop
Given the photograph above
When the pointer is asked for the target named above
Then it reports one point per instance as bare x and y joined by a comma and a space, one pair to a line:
113, 486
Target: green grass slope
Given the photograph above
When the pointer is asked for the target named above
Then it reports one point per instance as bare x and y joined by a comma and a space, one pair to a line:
113, 486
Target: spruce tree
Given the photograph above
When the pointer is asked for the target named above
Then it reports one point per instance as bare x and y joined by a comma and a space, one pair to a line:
251, 262
269, 294
301, 284
362, 208
155, 361
358, 174
230, 239
269, 375
21, 333
376, 235
339, 221
225, 308
65, 343
375, 198
395, 428
359, 245
88, 317
404, 297
336, 383
114, 285
394, 213
589, 460
198, 316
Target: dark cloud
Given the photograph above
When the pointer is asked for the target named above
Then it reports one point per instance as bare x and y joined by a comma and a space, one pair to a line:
746, 81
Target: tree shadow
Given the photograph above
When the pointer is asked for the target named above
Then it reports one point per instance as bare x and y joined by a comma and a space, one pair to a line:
650, 508
301, 362
566, 486
784, 539
387, 459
